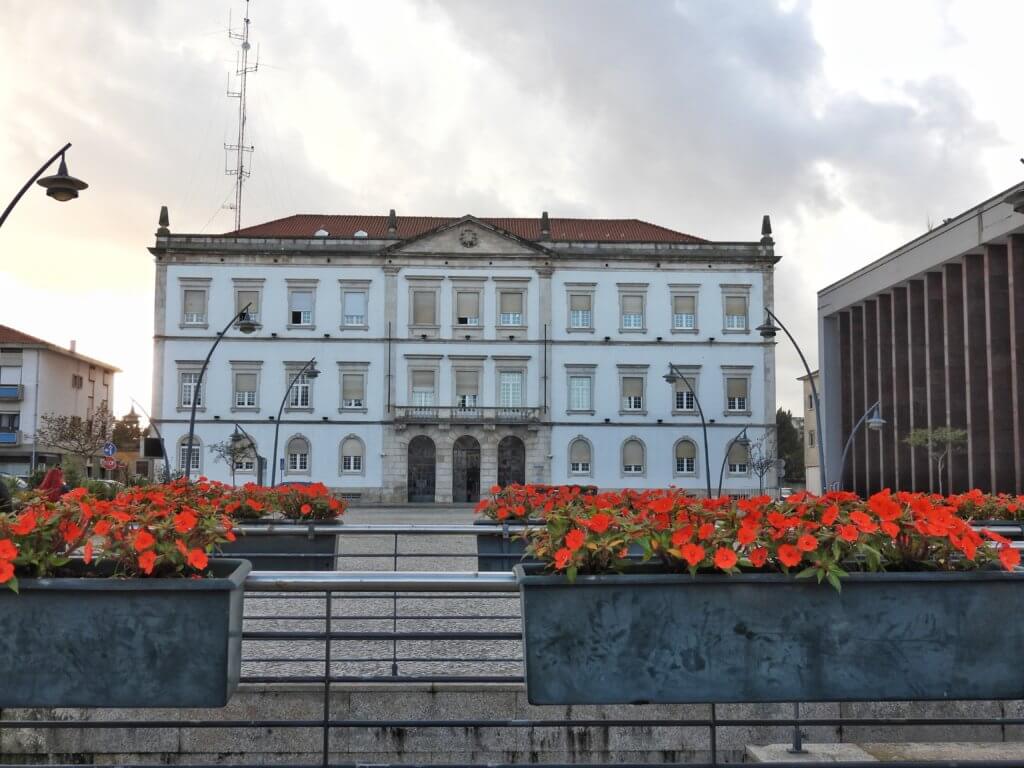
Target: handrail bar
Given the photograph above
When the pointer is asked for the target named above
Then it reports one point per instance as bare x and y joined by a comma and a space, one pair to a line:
380, 581
370, 529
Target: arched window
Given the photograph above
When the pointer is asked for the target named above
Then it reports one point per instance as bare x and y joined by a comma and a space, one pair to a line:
739, 459
197, 453
580, 456
686, 457
352, 453
632, 457
298, 455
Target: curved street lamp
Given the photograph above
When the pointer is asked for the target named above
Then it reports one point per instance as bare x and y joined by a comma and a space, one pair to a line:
873, 419
674, 375
768, 329
240, 435
246, 326
740, 439
163, 446
311, 373
62, 186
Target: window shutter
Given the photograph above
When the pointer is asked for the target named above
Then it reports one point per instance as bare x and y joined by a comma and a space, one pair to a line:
684, 305
686, 450
579, 302
579, 451
12, 357
355, 303
735, 305
298, 445
245, 382
632, 305
423, 308
683, 381
511, 302
738, 454
465, 383
351, 386
632, 386
736, 387
423, 379
352, 447
467, 304
633, 453
194, 302
302, 301
247, 297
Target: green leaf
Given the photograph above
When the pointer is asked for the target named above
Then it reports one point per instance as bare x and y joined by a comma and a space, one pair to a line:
13, 584
806, 573
833, 579
570, 573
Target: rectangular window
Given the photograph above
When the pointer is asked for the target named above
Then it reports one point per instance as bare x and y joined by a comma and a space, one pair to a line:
251, 297
581, 311
353, 311
424, 307
423, 389
632, 393
298, 461
684, 395
9, 422
738, 459
735, 313
810, 402
245, 390
245, 464
510, 310
684, 465
195, 457
353, 386
189, 388
300, 307
810, 438
300, 395
467, 308
467, 389
736, 394
510, 389
632, 312
352, 463
684, 313
195, 306
580, 393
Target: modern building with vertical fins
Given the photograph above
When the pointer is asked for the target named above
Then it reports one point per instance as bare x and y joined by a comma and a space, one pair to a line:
458, 352
934, 331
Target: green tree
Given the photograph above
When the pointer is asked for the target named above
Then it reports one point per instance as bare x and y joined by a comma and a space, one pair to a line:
232, 452
790, 446
76, 437
940, 443
127, 434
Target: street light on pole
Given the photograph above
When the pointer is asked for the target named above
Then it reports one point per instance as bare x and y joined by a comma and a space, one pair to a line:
740, 439
310, 371
768, 329
674, 375
237, 437
61, 186
873, 419
246, 326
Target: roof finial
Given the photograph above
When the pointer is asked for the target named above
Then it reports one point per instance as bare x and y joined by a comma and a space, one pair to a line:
545, 225
392, 223
164, 222
766, 230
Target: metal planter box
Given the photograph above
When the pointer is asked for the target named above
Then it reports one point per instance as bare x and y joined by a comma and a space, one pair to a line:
107, 642
670, 638
501, 552
280, 551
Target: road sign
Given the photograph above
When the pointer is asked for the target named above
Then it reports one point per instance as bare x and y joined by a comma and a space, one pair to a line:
109, 462
109, 449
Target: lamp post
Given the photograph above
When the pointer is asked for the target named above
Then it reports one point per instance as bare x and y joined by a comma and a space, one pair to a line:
163, 446
240, 434
873, 418
61, 186
739, 439
309, 369
674, 375
768, 329
246, 326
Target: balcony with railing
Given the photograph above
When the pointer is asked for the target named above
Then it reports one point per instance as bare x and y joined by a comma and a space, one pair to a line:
434, 414
12, 392
9, 437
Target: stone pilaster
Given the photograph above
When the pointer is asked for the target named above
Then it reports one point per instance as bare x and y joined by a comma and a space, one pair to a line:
846, 409
858, 452
936, 354
887, 436
872, 474
1015, 283
955, 371
918, 373
975, 339
1000, 375
901, 387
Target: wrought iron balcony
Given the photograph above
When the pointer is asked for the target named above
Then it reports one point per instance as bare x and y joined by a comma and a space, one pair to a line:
10, 437
12, 392
434, 414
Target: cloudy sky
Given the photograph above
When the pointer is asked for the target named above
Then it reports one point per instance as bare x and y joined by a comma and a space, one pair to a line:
854, 124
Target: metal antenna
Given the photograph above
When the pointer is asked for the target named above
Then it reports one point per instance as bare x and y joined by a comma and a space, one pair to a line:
238, 168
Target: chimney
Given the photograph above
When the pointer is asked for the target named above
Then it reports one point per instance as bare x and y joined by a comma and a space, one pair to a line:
72, 345
545, 226
392, 223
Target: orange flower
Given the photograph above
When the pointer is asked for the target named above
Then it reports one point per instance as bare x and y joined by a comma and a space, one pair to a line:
725, 558
6, 571
746, 535
830, 515
185, 520
26, 523
807, 543
102, 528
197, 559
705, 531
789, 555
146, 561
693, 554
181, 547
562, 558
599, 523
87, 553
495, 489
758, 557
305, 509
574, 539
254, 505
7, 550
143, 540
1008, 556
890, 529
848, 532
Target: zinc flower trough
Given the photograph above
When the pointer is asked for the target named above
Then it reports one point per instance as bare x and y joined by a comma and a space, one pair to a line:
284, 545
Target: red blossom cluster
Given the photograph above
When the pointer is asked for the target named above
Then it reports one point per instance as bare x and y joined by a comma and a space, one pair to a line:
823, 536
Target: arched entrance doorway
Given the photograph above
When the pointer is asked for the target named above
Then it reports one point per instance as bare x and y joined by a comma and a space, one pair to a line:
466, 469
511, 461
422, 462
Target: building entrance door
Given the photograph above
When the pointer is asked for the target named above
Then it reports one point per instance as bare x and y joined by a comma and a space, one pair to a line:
511, 461
466, 469
422, 464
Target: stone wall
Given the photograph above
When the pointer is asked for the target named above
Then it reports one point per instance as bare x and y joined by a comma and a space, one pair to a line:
279, 743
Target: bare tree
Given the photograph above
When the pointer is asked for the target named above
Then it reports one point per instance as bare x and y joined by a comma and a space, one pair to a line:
763, 458
232, 452
940, 443
82, 438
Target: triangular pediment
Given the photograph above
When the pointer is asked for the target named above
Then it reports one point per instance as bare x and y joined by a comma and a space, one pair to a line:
468, 236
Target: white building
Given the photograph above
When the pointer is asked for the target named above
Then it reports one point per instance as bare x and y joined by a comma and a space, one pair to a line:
457, 353
38, 378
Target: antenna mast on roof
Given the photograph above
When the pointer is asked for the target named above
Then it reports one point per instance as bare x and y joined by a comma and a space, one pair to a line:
238, 168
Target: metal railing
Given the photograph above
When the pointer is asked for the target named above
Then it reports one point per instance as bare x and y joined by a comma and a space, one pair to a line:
467, 415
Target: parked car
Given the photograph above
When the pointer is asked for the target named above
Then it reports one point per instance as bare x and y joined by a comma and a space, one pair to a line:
14, 480
785, 493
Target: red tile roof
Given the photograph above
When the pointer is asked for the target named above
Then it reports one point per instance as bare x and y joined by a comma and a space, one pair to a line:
10, 335
376, 227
